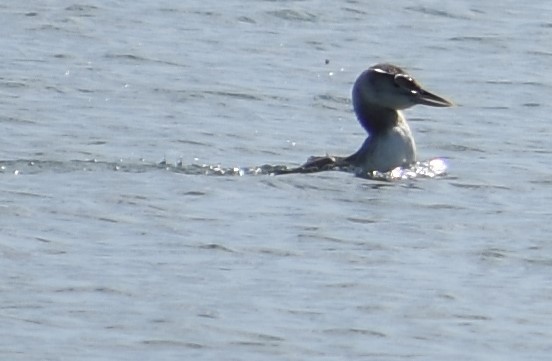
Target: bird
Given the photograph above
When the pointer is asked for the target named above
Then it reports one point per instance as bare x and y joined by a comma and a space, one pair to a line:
379, 95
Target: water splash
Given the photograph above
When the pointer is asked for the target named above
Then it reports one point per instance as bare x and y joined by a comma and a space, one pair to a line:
428, 169
432, 168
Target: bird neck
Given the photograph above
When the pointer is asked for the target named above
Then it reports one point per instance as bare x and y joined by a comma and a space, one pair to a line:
376, 119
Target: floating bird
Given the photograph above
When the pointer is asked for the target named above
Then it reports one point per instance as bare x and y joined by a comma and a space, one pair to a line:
379, 95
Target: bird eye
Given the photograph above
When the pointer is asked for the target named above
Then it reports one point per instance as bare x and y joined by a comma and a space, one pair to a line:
406, 82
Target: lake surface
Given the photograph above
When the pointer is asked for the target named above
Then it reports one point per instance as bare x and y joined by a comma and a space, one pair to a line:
118, 241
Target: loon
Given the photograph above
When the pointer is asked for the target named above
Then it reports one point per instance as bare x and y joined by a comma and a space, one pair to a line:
379, 94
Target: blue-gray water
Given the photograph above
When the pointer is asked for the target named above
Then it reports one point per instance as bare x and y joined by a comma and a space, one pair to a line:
106, 255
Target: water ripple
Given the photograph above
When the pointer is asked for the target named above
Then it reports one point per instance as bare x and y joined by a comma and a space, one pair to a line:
293, 15
434, 12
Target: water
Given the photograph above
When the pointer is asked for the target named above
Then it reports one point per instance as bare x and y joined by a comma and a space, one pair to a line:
119, 241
